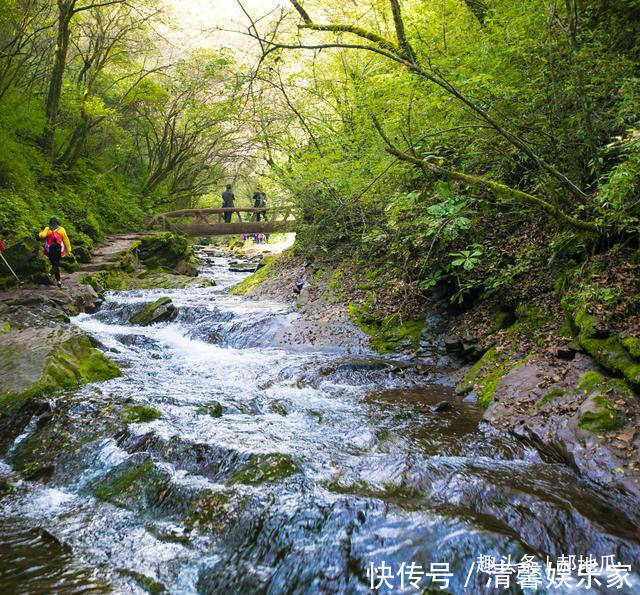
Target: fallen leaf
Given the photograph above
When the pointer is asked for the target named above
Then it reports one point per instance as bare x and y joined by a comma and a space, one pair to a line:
626, 436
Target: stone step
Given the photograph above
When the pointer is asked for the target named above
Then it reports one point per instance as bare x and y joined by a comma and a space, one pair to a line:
94, 267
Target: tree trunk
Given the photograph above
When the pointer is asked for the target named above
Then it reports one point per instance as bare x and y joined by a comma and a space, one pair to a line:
478, 8
76, 143
65, 13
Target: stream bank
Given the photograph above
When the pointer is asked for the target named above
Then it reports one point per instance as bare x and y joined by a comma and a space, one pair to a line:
543, 386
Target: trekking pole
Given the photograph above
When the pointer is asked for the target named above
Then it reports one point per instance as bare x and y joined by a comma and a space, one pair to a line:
9, 267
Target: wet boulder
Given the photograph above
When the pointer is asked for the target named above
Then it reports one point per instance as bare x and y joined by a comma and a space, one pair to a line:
138, 413
265, 468
214, 409
162, 310
57, 358
135, 484
279, 407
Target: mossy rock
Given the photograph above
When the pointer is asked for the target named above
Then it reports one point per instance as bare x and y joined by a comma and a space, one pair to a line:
485, 375
550, 396
148, 584
254, 280
111, 280
594, 381
598, 414
590, 380
265, 468
585, 324
390, 334
214, 409
135, 484
78, 362
57, 359
162, 310
210, 511
618, 356
25, 255
167, 251
612, 355
632, 345
132, 414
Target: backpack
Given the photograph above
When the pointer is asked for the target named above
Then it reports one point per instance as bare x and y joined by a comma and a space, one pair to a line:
53, 238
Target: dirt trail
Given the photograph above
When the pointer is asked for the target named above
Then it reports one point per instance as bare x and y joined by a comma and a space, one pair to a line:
106, 254
74, 293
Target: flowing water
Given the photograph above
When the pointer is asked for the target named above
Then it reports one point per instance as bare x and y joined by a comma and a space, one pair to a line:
282, 470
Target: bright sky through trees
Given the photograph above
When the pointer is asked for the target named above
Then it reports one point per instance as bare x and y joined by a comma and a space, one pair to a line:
196, 22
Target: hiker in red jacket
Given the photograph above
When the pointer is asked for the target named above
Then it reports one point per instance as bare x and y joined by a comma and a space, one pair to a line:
56, 246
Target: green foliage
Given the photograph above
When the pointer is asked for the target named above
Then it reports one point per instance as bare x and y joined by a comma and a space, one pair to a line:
572, 96
467, 259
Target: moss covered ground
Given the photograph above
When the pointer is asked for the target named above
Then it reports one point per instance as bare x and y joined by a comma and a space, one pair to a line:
255, 279
483, 377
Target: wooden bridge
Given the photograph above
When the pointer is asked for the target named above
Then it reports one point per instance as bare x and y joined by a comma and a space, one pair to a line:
211, 222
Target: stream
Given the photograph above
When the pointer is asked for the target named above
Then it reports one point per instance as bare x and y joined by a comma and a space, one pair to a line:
275, 469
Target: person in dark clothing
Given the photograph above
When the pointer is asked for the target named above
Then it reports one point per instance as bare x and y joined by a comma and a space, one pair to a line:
260, 202
55, 254
227, 202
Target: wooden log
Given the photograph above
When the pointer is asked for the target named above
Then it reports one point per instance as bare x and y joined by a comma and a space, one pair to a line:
213, 211
223, 229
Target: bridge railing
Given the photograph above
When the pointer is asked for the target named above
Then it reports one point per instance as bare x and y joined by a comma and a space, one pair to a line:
199, 221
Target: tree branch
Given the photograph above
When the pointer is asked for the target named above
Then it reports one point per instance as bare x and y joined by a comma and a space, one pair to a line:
501, 191
398, 54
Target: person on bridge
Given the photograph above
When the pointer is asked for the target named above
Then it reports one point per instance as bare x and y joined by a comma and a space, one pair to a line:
260, 202
56, 246
227, 202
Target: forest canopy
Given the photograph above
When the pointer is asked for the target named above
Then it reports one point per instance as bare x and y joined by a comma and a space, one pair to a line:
409, 130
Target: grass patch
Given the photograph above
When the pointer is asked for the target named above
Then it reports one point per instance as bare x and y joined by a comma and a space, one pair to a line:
260, 276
